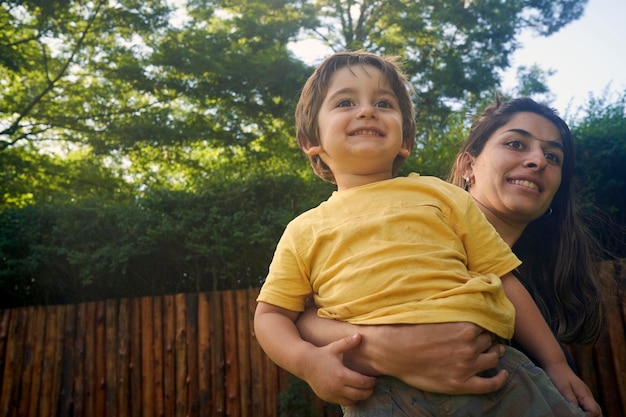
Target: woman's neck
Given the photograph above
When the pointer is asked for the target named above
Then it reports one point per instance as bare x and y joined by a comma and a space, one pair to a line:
508, 231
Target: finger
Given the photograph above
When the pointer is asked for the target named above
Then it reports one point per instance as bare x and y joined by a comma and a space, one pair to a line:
484, 340
343, 345
589, 406
482, 385
351, 342
354, 394
488, 359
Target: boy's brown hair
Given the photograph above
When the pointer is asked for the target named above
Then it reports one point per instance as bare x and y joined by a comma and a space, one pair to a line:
316, 88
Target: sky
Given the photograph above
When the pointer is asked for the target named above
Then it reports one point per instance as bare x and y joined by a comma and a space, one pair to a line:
587, 56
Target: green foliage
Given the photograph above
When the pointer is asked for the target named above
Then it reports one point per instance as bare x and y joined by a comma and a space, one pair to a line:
143, 154
166, 242
601, 168
296, 398
32, 177
451, 49
436, 148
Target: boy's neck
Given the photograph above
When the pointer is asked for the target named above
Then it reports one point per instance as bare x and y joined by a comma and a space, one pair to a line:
347, 181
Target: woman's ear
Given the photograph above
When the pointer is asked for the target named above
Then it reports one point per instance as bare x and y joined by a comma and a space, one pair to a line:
465, 165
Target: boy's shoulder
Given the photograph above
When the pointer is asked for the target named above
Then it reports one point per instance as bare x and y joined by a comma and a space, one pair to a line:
432, 181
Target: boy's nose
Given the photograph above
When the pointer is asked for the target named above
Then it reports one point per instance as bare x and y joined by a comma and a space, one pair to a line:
367, 110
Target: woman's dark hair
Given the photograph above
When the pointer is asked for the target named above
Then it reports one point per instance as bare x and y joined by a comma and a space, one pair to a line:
560, 257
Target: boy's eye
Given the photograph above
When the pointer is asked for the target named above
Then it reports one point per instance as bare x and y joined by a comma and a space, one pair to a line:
386, 104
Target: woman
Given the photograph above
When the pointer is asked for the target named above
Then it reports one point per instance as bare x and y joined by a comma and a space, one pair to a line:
521, 178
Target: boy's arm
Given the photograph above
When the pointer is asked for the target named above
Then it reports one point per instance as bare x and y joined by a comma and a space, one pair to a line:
321, 367
534, 335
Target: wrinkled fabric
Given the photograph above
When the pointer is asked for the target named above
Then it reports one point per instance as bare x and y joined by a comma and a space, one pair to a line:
527, 393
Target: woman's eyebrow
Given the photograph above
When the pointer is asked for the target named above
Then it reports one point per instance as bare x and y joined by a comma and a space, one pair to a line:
555, 143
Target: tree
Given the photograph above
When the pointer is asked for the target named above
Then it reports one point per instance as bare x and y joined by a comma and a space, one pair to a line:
145, 151
452, 49
600, 167
72, 66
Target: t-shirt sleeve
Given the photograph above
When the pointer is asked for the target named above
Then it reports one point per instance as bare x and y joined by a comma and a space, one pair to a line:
486, 252
287, 283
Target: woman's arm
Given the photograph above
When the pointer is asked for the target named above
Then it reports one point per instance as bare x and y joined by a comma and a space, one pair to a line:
443, 358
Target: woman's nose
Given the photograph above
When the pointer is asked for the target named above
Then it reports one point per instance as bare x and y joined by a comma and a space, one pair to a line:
536, 160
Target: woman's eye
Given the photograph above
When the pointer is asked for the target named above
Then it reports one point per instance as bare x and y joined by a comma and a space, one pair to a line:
515, 144
552, 157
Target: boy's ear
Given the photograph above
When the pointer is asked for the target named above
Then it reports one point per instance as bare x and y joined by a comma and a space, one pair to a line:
404, 152
310, 149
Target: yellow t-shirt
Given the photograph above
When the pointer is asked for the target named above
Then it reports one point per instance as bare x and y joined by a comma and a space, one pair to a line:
404, 250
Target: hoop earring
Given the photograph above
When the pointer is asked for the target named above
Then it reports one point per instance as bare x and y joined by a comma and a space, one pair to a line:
548, 213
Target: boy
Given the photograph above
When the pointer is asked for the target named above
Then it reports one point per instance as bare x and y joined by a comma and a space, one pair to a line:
385, 250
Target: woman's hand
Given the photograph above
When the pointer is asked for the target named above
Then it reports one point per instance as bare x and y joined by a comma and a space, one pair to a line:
443, 358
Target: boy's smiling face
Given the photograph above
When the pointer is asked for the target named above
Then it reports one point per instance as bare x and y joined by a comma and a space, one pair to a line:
360, 126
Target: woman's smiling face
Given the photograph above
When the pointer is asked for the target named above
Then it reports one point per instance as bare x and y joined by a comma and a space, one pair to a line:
519, 170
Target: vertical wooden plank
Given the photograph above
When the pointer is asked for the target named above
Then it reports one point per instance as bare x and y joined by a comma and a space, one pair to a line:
32, 359
218, 380
111, 358
91, 381
191, 300
59, 342
4, 332
4, 329
233, 394
123, 359
46, 371
611, 352
584, 358
181, 355
11, 378
244, 322
80, 380
147, 358
272, 384
258, 390
605, 378
157, 314
617, 330
169, 358
204, 356
135, 359
66, 393
51, 361
99, 358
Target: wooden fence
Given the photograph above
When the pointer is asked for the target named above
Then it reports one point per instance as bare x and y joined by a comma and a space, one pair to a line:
175, 355
191, 355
